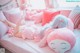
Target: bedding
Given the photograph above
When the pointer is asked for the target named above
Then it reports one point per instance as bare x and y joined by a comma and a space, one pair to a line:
13, 15
17, 45
3, 27
27, 31
2, 17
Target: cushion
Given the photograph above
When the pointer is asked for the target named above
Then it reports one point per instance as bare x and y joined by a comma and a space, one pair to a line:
3, 29
13, 15
48, 16
75, 15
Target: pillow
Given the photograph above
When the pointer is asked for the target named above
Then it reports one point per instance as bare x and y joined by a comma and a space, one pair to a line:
3, 29
75, 15
13, 15
48, 16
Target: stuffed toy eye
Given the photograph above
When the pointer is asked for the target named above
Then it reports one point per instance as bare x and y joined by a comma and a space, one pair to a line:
52, 43
64, 45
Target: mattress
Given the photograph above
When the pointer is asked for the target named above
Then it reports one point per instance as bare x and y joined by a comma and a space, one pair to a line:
18, 45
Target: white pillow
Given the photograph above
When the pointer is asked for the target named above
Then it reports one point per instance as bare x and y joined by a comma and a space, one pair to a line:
79, 26
13, 15
2, 17
3, 29
74, 15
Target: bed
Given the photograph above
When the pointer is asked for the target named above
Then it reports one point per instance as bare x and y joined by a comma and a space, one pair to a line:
18, 45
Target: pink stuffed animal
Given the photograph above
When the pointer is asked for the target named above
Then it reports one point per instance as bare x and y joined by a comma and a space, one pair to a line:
59, 40
59, 21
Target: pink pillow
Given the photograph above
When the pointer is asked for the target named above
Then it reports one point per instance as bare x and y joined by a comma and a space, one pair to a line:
48, 16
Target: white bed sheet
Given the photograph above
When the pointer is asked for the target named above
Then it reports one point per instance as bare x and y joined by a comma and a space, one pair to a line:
18, 45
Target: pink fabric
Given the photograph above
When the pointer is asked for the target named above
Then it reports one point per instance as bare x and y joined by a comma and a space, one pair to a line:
3, 29
2, 17
63, 34
65, 12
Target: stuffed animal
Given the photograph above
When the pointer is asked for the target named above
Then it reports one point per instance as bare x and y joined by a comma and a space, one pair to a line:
60, 21
59, 40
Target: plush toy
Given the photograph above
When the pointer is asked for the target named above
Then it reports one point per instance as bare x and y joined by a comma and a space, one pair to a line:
60, 21
59, 40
